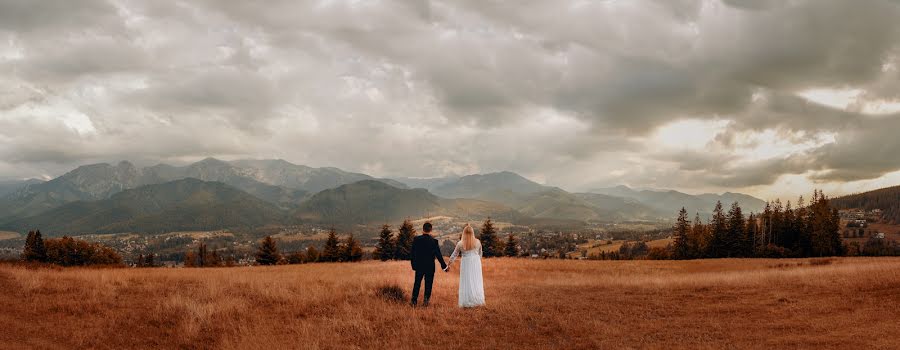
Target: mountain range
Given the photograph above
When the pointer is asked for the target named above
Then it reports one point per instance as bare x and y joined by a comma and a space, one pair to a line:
667, 200
213, 194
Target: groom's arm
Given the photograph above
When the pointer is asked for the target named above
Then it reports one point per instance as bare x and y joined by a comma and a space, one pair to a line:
440, 257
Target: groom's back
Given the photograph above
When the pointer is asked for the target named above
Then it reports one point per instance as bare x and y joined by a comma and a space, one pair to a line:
423, 253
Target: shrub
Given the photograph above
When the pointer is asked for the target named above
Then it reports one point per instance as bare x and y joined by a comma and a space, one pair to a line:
659, 253
391, 293
821, 261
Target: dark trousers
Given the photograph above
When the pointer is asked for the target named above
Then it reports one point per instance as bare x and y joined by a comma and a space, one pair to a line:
429, 279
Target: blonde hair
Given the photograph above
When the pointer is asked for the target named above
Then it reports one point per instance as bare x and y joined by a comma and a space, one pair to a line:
468, 238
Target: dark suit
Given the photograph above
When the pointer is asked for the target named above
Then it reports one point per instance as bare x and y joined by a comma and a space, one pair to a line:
424, 250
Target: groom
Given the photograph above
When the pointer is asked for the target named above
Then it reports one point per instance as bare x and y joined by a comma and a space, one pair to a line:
424, 250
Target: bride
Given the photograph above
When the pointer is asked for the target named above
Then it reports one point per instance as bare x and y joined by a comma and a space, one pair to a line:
471, 285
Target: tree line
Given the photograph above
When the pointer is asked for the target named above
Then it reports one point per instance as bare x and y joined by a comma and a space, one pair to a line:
809, 230
399, 246
67, 251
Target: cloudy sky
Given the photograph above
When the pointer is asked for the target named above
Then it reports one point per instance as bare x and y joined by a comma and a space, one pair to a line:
768, 97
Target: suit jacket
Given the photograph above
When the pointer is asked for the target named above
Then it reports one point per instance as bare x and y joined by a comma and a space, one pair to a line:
424, 250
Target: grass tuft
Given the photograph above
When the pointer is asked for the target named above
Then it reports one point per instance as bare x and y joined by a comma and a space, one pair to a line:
391, 293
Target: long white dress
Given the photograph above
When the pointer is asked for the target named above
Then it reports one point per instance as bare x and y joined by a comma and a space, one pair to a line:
471, 284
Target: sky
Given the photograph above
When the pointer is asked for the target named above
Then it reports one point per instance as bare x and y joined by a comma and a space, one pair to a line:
768, 97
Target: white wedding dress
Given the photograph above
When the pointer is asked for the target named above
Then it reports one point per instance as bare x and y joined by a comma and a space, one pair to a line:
471, 285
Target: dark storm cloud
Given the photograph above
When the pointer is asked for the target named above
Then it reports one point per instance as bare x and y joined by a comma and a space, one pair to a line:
530, 86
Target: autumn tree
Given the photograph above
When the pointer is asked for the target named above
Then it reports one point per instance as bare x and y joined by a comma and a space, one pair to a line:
296, 258
190, 259
512, 246
384, 250
312, 254
332, 251
267, 253
490, 244
403, 245
682, 242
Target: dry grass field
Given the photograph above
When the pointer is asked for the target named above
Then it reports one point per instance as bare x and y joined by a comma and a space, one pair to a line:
846, 303
8, 235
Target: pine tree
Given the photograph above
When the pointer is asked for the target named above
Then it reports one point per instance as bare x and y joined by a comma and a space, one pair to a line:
803, 245
750, 234
735, 236
490, 245
698, 237
403, 247
202, 255
384, 250
312, 254
512, 246
331, 252
718, 233
267, 253
765, 228
351, 251
682, 243
28, 250
34, 247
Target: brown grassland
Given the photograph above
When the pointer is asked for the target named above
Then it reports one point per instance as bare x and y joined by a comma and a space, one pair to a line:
842, 303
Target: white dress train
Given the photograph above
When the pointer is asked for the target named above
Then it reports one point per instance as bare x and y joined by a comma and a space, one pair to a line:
471, 284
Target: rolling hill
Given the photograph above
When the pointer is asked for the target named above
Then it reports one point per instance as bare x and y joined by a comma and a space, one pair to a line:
670, 201
371, 201
187, 204
492, 187
887, 199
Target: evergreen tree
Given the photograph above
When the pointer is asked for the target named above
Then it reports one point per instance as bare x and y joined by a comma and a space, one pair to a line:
765, 228
351, 251
331, 252
312, 254
384, 250
750, 234
267, 253
735, 236
403, 247
512, 246
34, 247
202, 255
682, 229
718, 233
776, 231
698, 237
803, 245
490, 244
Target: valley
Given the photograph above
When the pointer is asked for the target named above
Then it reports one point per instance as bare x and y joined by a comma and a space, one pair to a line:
214, 194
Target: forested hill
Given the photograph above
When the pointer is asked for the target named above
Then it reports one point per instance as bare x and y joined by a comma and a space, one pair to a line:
886, 199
